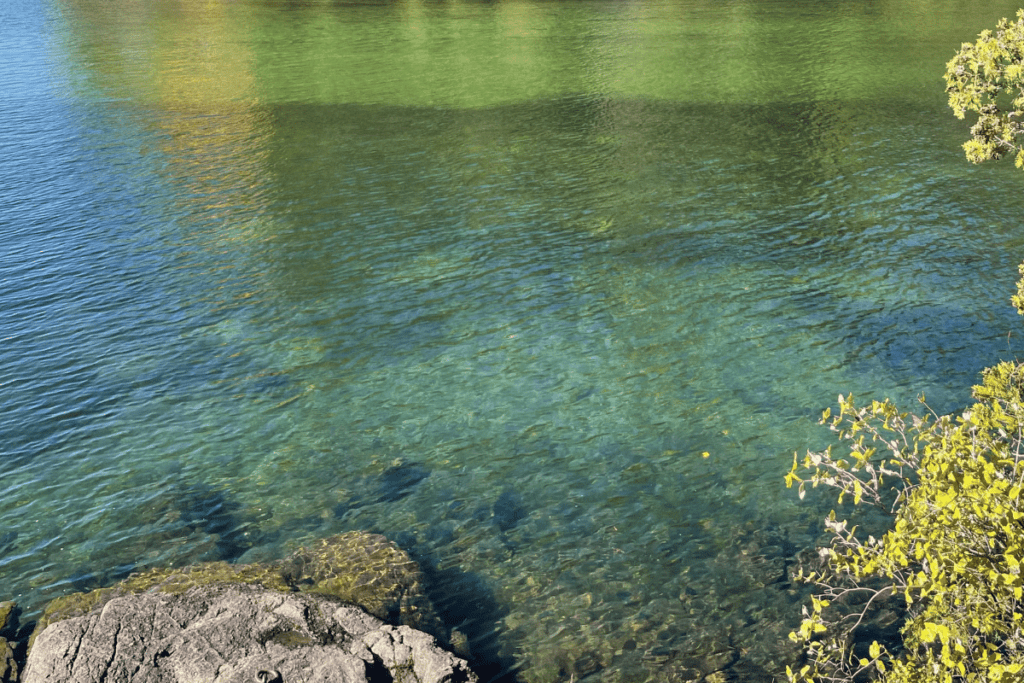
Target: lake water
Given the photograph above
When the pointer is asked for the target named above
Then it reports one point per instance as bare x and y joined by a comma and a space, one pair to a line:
488, 278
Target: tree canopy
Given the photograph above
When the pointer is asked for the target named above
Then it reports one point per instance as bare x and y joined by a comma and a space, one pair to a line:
987, 77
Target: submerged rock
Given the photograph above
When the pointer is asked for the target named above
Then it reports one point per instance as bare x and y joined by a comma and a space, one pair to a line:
8, 663
230, 633
366, 570
6, 614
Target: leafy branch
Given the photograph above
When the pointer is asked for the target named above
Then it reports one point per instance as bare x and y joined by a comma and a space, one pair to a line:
950, 566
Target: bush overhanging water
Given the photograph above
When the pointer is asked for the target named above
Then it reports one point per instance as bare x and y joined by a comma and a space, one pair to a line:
948, 570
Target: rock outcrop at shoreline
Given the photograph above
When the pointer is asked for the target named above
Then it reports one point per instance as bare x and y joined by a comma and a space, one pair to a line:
350, 608
236, 634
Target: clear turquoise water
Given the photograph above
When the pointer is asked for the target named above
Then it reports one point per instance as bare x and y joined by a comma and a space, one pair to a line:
488, 279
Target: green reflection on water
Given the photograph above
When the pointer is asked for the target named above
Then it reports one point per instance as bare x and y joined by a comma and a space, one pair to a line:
472, 54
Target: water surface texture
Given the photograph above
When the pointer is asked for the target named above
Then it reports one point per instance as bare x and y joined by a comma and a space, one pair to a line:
488, 278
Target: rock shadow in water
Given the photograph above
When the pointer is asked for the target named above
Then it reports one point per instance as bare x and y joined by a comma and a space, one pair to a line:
7, 540
199, 523
398, 482
508, 510
392, 485
194, 523
467, 605
214, 512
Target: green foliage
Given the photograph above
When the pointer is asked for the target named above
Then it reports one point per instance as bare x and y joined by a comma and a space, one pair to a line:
951, 563
987, 77
1018, 298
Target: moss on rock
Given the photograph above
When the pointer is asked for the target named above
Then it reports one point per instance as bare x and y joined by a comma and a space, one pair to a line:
6, 610
8, 663
204, 574
366, 570
369, 571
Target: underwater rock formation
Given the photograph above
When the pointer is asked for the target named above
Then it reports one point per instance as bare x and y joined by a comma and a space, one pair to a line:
8, 665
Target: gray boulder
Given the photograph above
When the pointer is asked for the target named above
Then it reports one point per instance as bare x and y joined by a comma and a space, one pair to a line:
235, 633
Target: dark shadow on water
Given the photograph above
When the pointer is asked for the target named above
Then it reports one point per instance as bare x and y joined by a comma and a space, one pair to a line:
508, 510
197, 523
464, 602
214, 512
398, 482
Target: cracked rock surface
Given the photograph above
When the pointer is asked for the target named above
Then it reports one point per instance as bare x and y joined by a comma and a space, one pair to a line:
235, 634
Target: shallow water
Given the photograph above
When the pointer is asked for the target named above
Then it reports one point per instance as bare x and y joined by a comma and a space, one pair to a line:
488, 279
